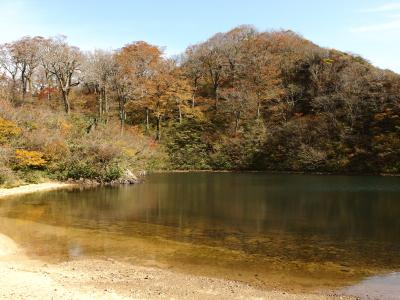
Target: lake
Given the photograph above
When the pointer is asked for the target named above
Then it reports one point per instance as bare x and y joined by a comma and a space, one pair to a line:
293, 232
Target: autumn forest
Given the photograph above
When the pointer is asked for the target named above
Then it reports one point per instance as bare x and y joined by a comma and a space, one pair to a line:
241, 100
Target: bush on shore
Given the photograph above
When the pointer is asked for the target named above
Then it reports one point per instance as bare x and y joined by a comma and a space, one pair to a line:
38, 144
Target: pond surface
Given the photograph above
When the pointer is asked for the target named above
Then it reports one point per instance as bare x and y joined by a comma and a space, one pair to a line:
299, 232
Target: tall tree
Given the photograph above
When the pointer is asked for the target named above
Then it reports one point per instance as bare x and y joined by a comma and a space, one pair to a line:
10, 67
63, 62
98, 70
27, 57
137, 65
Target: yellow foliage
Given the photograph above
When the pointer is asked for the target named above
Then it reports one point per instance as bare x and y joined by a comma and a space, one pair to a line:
8, 129
65, 128
328, 61
129, 151
25, 158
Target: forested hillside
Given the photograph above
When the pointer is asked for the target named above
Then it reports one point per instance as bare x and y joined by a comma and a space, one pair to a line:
240, 100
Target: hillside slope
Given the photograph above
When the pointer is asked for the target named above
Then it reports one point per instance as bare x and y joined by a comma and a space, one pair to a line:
242, 100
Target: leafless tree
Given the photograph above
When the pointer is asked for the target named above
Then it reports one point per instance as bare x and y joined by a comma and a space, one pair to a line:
25, 53
9, 67
63, 62
99, 69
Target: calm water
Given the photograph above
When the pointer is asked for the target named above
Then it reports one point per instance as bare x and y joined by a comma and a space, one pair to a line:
290, 231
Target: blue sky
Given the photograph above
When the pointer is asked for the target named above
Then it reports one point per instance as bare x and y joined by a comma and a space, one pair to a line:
370, 28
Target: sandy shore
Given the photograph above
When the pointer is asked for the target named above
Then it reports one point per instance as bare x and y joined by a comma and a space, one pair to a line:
32, 188
25, 278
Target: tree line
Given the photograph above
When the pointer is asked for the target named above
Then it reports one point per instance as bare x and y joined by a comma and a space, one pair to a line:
242, 99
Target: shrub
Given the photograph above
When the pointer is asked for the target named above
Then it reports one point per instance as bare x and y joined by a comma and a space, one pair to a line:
186, 147
7, 177
112, 173
8, 129
32, 176
37, 143
29, 159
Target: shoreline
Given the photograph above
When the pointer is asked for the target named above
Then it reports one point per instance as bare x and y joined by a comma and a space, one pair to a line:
109, 279
33, 188
52, 185
277, 172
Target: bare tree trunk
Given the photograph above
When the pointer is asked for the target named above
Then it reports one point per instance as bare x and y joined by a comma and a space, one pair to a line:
237, 120
122, 125
100, 101
258, 110
67, 106
13, 88
194, 93
180, 114
105, 98
216, 99
23, 89
30, 86
65, 88
48, 86
122, 113
147, 120
158, 136
23, 81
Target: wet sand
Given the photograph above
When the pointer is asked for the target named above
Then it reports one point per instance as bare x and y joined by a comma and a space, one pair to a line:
24, 278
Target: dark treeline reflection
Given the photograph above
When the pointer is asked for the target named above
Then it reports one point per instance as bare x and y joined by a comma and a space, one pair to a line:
292, 216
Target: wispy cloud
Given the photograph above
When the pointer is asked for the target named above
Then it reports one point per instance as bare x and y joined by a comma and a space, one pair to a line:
386, 26
391, 18
388, 7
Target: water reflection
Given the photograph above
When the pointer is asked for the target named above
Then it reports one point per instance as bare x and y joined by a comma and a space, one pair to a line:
310, 230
